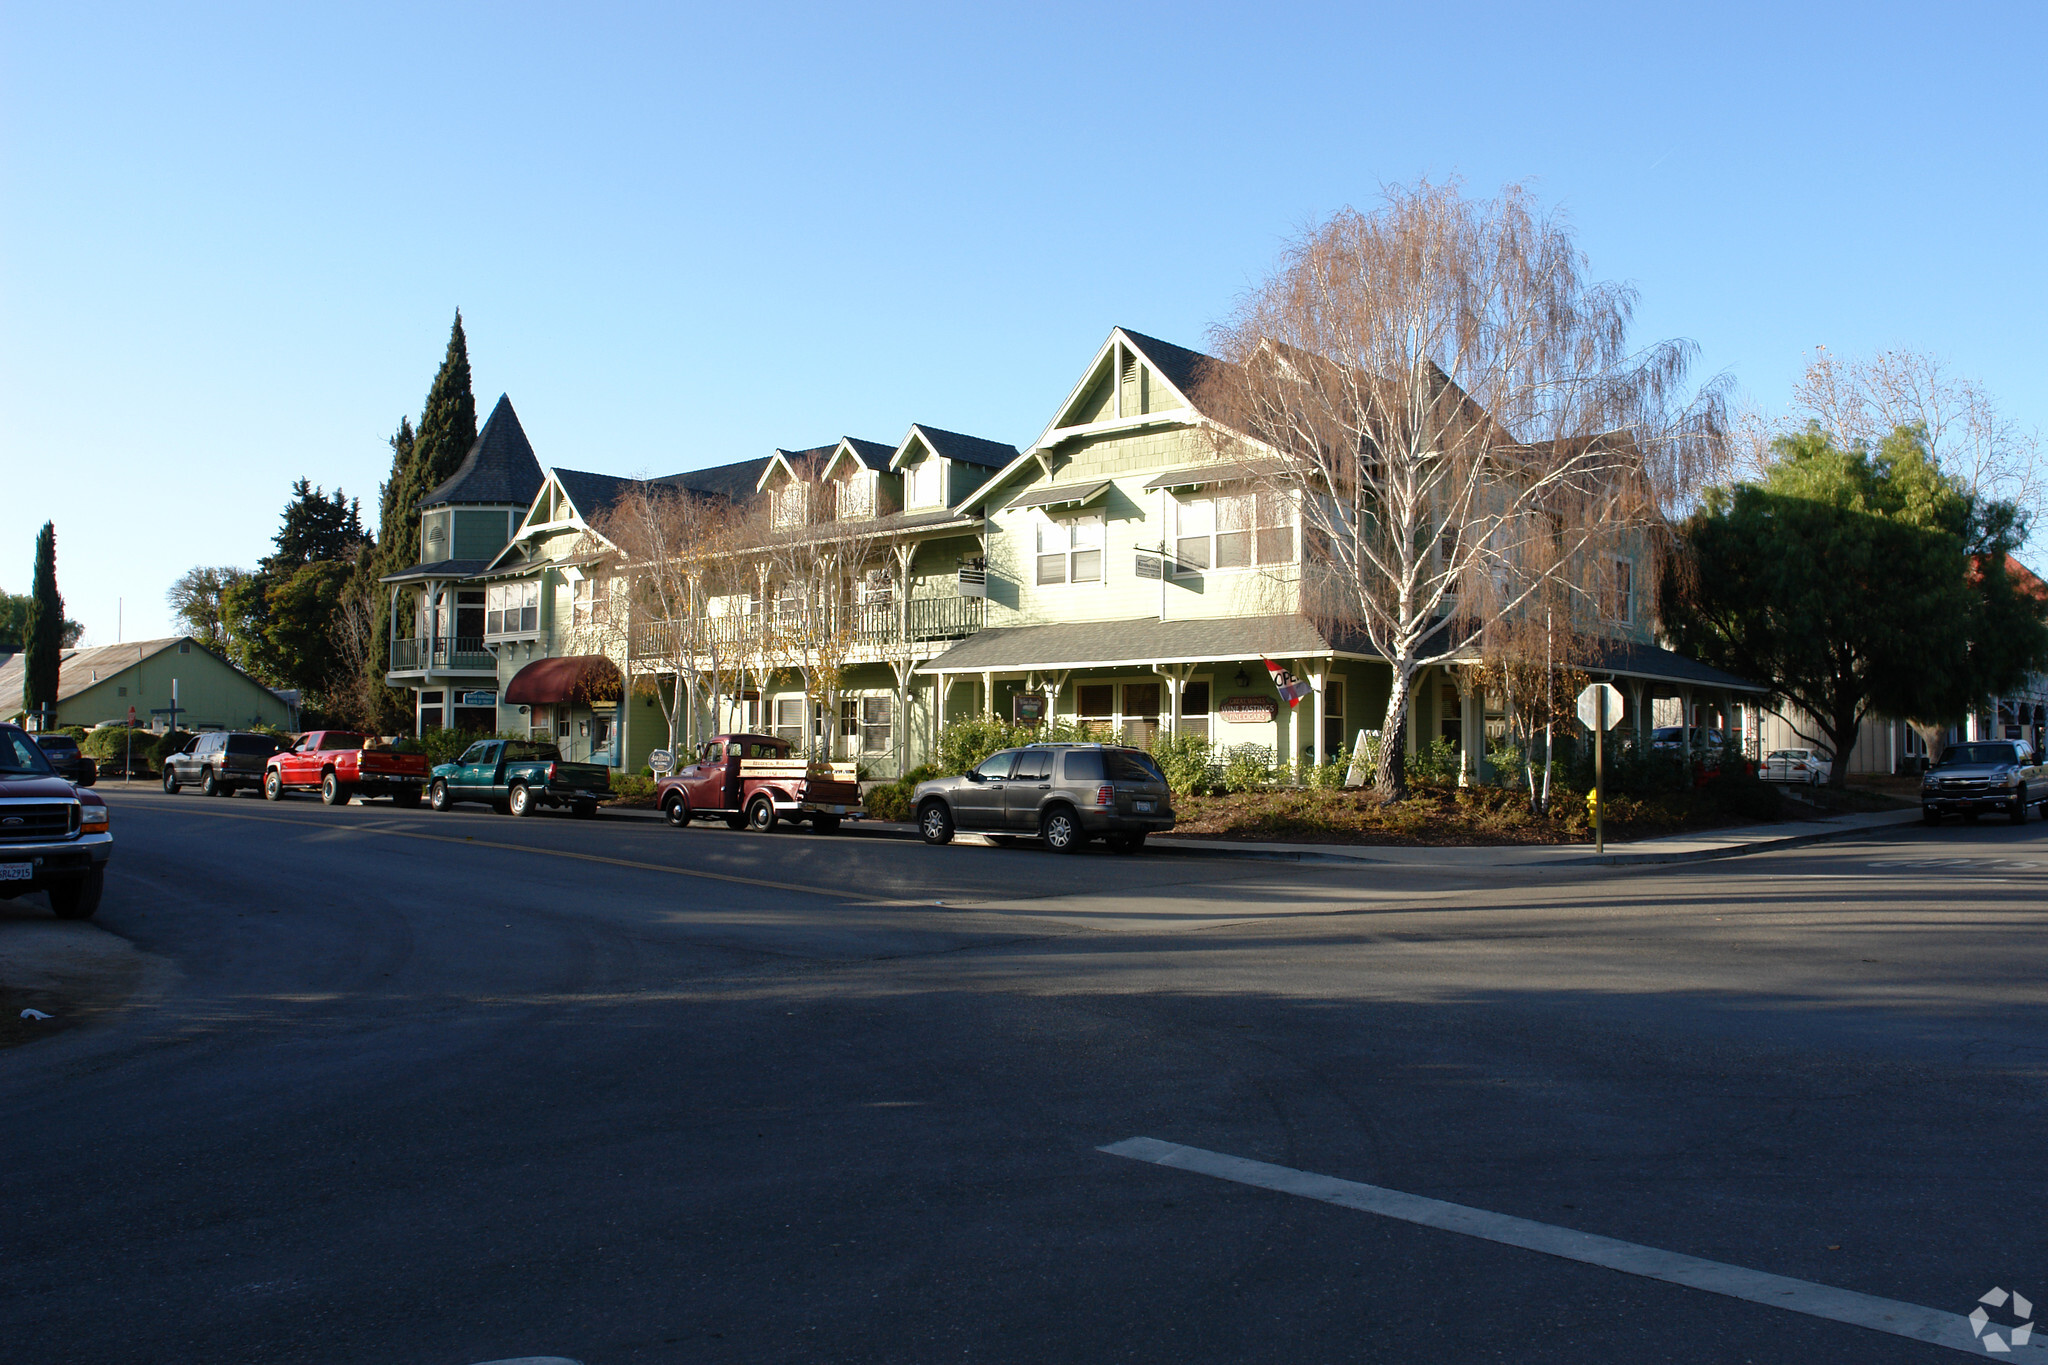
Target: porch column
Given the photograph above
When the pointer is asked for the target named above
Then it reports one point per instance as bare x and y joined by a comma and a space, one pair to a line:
942, 686
1471, 726
1685, 722
988, 695
1318, 680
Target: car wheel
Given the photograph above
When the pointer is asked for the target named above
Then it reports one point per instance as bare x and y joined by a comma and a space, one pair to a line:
2019, 806
209, 785
78, 897
935, 823
333, 791
1127, 843
519, 800
438, 797
1061, 830
170, 780
273, 786
825, 824
583, 810
676, 810
1929, 815
406, 797
761, 815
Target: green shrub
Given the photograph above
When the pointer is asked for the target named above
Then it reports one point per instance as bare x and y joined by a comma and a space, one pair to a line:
1247, 768
1188, 763
965, 743
109, 744
631, 790
1436, 766
445, 746
888, 801
168, 743
1325, 777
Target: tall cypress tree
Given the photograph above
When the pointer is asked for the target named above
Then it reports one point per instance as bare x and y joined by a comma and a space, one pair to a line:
44, 645
421, 461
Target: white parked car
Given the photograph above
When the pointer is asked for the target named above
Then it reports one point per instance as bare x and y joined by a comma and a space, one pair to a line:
1796, 765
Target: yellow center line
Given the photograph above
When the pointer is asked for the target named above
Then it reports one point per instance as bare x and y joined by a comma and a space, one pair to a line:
472, 842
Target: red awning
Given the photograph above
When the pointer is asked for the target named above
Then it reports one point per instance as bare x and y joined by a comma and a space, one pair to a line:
574, 678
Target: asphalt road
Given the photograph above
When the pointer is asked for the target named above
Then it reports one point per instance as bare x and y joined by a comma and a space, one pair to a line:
446, 1089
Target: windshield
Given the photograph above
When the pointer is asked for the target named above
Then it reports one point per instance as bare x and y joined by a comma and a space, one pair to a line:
19, 755
1958, 755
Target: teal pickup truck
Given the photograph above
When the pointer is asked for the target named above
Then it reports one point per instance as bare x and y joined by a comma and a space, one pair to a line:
519, 777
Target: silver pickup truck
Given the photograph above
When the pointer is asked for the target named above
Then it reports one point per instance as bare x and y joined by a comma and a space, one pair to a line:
1984, 774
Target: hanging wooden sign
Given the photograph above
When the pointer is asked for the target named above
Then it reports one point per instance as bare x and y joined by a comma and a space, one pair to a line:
1248, 710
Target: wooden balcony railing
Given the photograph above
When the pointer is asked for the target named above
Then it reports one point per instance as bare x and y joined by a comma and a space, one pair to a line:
878, 628
459, 654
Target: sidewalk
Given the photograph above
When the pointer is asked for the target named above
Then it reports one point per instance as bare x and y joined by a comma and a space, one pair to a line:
1676, 848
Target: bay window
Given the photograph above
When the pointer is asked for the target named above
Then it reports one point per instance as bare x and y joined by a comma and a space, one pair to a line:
512, 608
1232, 531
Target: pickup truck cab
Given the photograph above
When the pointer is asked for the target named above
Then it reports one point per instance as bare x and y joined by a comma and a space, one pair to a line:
1985, 774
520, 777
53, 836
340, 765
752, 782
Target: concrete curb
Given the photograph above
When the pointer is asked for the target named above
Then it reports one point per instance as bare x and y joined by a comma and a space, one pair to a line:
1695, 855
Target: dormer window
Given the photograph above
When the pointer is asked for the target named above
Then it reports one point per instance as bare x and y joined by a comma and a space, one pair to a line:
856, 497
791, 503
924, 482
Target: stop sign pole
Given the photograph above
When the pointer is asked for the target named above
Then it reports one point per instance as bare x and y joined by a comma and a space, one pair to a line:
1598, 702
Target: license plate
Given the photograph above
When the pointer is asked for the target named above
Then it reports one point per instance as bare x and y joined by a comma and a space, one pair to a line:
1142, 807
17, 872
839, 810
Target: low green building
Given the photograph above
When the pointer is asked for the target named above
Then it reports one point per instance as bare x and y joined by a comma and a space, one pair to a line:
104, 685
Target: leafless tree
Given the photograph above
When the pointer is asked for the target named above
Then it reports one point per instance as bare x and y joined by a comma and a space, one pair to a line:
818, 576
1527, 661
1865, 400
1461, 418
679, 550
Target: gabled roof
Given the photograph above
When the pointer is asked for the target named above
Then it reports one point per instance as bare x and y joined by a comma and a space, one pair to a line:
592, 495
80, 669
958, 447
500, 467
1177, 365
868, 454
788, 460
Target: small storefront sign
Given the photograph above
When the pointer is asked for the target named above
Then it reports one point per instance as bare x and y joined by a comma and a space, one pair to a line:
1248, 710
1027, 708
478, 699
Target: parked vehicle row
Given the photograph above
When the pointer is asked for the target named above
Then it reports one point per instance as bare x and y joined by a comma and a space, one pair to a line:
54, 835
1064, 795
67, 760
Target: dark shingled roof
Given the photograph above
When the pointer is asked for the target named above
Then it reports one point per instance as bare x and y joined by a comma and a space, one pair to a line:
440, 568
1145, 640
593, 494
1184, 369
500, 468
1628, 659
966, 449
873, 454
730, 481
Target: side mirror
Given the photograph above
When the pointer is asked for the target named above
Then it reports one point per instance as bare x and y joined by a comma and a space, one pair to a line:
975, 776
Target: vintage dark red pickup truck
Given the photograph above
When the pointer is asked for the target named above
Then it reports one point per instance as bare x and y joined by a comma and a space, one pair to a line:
341, 764
752, 782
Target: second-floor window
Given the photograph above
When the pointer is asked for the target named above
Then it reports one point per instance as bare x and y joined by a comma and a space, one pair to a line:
590, 602
856, 498
512, 608
1621, 592
1232, 531
1070, 550
923, 485
791, 505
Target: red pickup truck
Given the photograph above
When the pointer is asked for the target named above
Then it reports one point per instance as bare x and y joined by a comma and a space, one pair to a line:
341, 764
752, 783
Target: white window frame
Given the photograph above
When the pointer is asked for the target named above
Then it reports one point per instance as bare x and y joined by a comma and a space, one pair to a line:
857, 497
1057, 544
1198, 536
519, 599
924, 483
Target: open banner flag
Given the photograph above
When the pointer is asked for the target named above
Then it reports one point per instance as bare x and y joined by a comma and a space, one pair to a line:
1290, 688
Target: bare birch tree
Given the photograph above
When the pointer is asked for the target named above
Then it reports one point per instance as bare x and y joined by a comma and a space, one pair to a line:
1971, 440
1460, 412
681, 560
816, 571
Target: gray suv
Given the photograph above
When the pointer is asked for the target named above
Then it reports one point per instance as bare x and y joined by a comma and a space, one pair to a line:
220, 763
1065, 794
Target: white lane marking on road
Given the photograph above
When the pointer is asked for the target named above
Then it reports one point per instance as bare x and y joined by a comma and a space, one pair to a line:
1716, 1277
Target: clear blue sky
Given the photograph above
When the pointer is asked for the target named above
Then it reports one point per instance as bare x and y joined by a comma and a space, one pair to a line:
233, 237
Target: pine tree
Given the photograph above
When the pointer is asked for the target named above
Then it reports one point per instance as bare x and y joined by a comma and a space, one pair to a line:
44, 632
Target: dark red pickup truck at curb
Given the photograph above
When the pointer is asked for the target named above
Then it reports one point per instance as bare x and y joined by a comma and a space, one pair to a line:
752, 782
341, 764
53, 836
